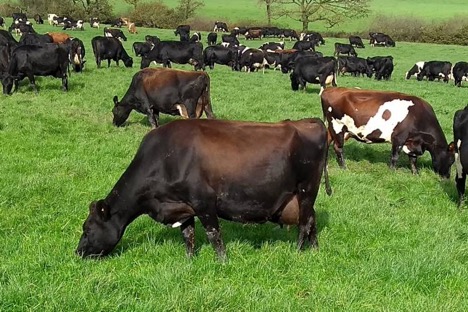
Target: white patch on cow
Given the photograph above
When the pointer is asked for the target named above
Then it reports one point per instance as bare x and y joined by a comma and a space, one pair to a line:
76, 59
321, 90
329, 79
398, 109
458, 164
107, 34
177, 224
182, 111
406, 150
330, 109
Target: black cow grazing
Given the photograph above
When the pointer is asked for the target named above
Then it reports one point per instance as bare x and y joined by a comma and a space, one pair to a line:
196, 37
381, 39
213, 169
415, 70
272, 46
220, 55
32, 60
7, 39
436, 69
35, 39
406, 121
110, 49
114, 33
21, 28
73, 25
152, 39
460, 132
289, 33
312, 36
94, 22
382, 66
77, 54
183, 31
38, 19
344, 48
289, 59
179, 52
142, 48
317, 70
168, 91
212, 38
2, 22
303, 45
118, 22
354, 65
460, 73
220, 26
251, 60
356, 41
230, 39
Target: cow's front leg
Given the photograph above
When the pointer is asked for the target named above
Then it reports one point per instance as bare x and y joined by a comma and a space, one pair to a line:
65, 82
108, 63
153, 117
188, 232
338, 142
32, 82
210, 222
413, 160
460, 180
395, 154
307, 221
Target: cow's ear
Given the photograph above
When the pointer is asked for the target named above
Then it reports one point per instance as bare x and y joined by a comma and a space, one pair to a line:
101, 209
116, 100
451, 147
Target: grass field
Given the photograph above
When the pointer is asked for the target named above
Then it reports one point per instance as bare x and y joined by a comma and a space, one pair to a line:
389, 241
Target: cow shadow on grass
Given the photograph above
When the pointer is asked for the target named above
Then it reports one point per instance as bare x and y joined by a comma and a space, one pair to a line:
256, 235
450, 189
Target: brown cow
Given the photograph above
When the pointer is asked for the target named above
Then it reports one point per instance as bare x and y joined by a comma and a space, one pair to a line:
253, 34
59, 37
406, 121
132, 28
164, 90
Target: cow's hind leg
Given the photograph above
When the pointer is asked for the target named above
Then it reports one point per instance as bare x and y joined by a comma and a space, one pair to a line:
460, 180
307, 222
32, 82
338, 143
413, 160
188, 232
209, 220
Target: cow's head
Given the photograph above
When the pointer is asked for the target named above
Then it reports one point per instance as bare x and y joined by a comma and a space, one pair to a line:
8, 82
120, 112
101, 232
128, 62
443, 159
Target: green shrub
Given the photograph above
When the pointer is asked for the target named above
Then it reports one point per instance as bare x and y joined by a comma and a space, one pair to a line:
155, 14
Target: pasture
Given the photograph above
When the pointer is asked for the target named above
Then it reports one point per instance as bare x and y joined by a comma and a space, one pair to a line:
389, 240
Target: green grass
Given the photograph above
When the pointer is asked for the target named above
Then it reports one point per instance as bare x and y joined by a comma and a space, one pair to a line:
389, 241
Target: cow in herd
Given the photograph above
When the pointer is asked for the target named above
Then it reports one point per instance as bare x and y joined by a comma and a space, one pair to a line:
109, 48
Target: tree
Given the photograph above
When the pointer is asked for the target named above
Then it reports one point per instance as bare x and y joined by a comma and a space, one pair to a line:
269, 8
133, 2
332, 12
187, 8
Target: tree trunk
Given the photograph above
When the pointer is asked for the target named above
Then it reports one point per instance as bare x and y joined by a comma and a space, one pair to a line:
305, 25
268, 9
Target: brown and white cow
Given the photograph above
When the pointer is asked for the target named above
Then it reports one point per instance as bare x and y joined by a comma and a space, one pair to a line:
406, 121
246, 172
164, 90
58, 37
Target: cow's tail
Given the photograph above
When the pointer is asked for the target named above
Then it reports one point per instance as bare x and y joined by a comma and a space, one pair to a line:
294, 81
207, 99
328, 188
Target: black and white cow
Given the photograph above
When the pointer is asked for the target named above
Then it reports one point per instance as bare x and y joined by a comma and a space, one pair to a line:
344, 48
212, 38
196, 37
114, 33
105, 48
272, 46
220, 26
460, 73
289, 33
51, 17
316, 70
94, 22
415, 70
152, 39
460, 133
251, 59
142, 48
381, 39
73, 25
369, 116
77, 54
312, 36
230, 39
436, 69
220, 55
354, 65
356, 41
59, 20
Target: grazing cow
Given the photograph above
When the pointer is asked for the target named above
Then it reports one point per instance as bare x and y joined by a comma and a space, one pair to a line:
312, 36
142, 48
435, 69
51, 17
215, 168
289, 59
354, 65
377, 38
73, 25
110, 49
94, 22
356, 41
165, 52
289, 33
33, 60
168, 91
119, 22
59, 37
212, 38
152, 39
21, 28
406, 121
382, 66
38, 19
460, 73
196, 37
35, 39
220, 26
183, 31
132, 28
460, 132
317, 70
114, 33
415, 70
77, 54
220, 55
253, 34
344, 48
230, 39
272, 46
251, 60
60, 20
303, 45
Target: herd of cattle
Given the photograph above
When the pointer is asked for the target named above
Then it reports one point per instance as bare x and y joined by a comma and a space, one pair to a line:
190, 168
